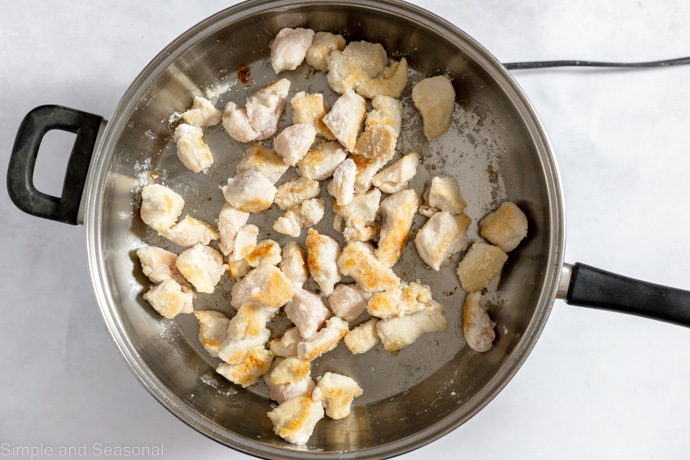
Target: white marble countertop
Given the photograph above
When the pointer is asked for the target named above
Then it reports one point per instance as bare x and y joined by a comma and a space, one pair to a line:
597, 385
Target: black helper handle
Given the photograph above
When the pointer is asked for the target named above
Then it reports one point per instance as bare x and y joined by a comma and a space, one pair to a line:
33, 128
595, 288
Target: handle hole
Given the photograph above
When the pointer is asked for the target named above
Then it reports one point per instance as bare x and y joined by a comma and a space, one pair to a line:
51, 162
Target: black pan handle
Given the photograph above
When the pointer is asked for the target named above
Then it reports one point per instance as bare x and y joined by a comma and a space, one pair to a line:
595, 288
32, 129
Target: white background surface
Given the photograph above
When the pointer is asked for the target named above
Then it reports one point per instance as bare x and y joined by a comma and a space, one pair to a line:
597, 385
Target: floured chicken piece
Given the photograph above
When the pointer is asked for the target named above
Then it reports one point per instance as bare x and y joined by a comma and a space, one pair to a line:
294, 420
289, 48
289, 378
259, 119
477, 326
322, 160
160, 206
293, 142
401, 331
405, 299
294, 264
480, 265
505, 227
237, 269
192, 150
358, 261
336, 392
202, 266
213, 329
381, 130
434, 98
247, 372
263, 160
346, 117
265, 284
325, 340
286, 345
245, 241
348, 301
367, 169
246, 331
443, 194
158, 265
170, 299
363, 337
304, 215
357, 219
385, 111
265, 252
202, 113
391, 82
322, 256
371, 57
295, 191
307, 312
342, 187
442, 236
397, 212
395, 177
249, 191
311, 108
358, 62
190, 231
322, 44
230, 221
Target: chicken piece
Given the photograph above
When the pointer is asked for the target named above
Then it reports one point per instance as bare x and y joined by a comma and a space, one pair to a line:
190, 231
442, 236
304, 215
325, 340
293, 142
311, 108
263, 160
202, 113
385, 111
247, 372
358, 261
405, 299
476, 324
434, 98
265, 252
505, 227
249, 191
307, 312
294, 264
286, 345
401, 331
289, 48
230, 221
371, 57
346, 117
322, 160
158, 265
169, 298
160, 207
237, 269
213, 329
246, 331
322, 255
363, 337
348, 301
397, 212
322, 44
265, 284
192, 150
259, 120
368, 167
443, 194
395, 177
336, 392
356, 220
377, 142
344, 73
480, 265
237, 124
342, 187
289, 378
295, 191
202, 266
390, 83
245, 241
294, 420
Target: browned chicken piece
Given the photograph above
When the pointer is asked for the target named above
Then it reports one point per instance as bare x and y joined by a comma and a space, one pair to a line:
202, 266
295, 191
246, 331
294, 420
265, 284
336, 392
266, 252
294, 264
263, 160
304, 215
480, 265
401, 331
230, 221
443, 194
442, 236
311, 108
405, 299
391, 82
286, 345
190, 231
213, 329
289, 48
358, 261
322, 160
346, 117
249, 191
363, 337
434, 98
322, 44
357, 220
247, 372
505, 227
169, 298
245, 242
476, 324
395, 177
160, 206
397, 212
192, 150
289, 378
325, 340
322, 256
202, 113
357, 62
